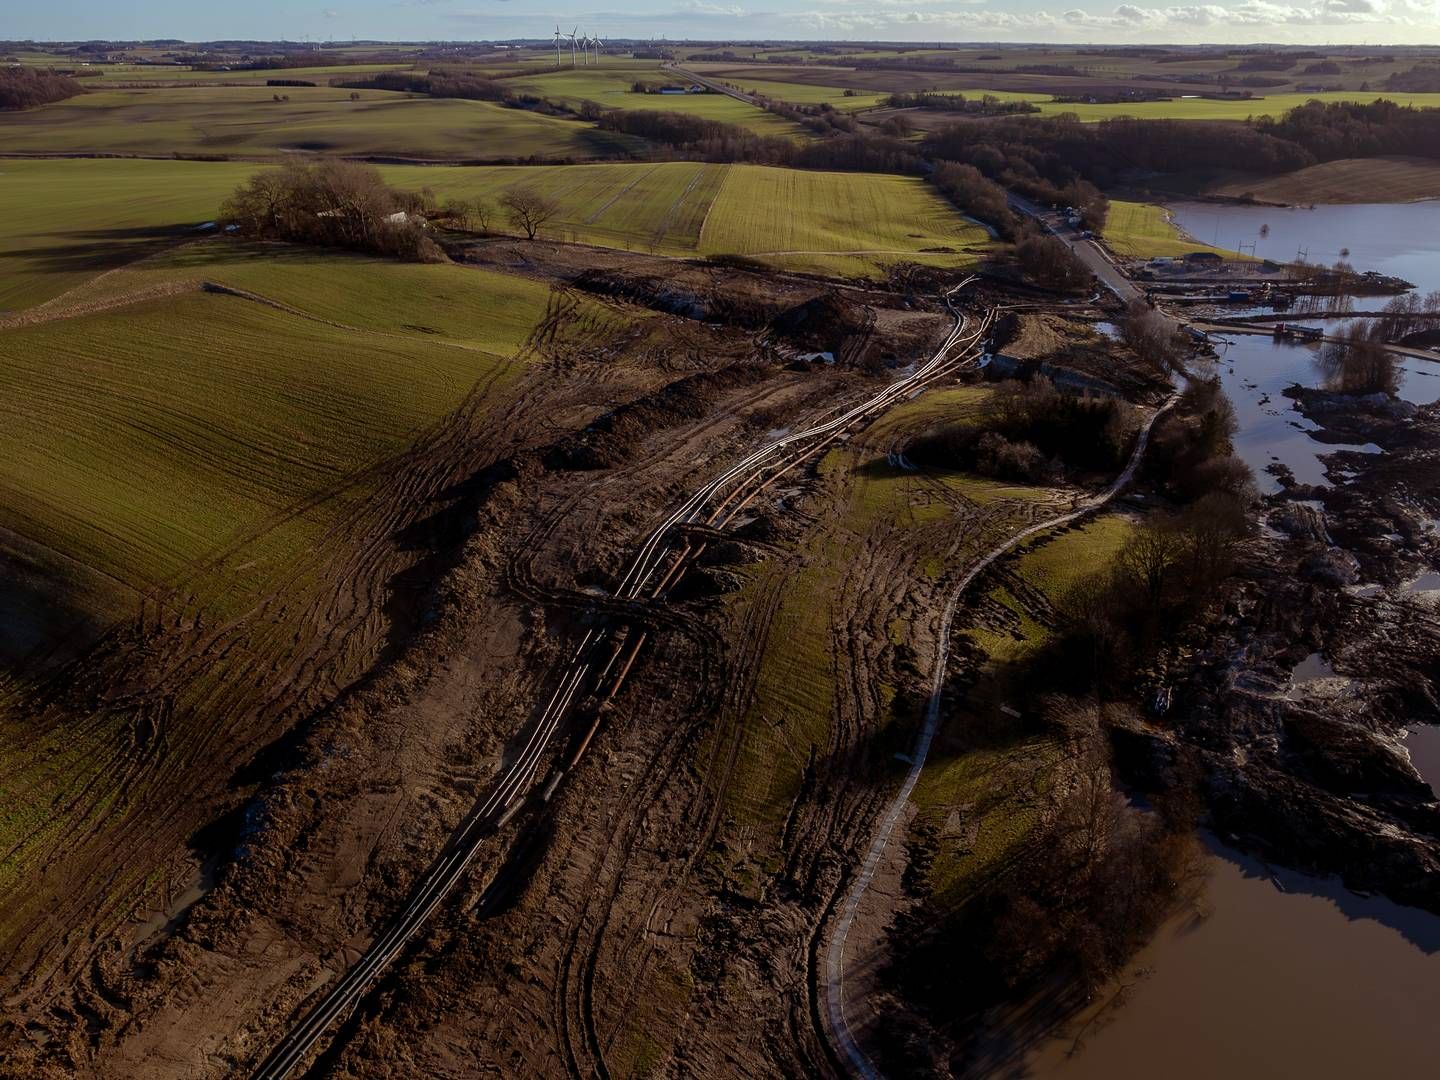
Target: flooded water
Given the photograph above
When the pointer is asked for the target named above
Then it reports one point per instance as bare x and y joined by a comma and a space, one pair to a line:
1284, 975
1423, 743
1255, 371
1313, 668
1393, 238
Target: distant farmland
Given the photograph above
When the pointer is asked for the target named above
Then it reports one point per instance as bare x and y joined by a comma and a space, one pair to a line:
62, 221
247, 120
610, 86
834, 223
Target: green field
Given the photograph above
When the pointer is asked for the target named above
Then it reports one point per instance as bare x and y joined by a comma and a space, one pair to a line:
1275, 105
140, 438
609, 85
63, 221
211, 458
1144, 231
246, 120
834, 223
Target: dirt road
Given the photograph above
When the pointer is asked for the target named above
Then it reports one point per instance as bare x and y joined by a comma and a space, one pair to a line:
850, 1050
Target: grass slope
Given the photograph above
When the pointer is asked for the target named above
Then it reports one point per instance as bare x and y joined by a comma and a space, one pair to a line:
137, 440
1275, 105
1362, 180
1144, 230
982, 800
247, 120
794, 695
62, 221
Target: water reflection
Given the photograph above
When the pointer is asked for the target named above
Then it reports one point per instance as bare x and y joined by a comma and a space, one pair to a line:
1255, 372
1392, 238
1286, 975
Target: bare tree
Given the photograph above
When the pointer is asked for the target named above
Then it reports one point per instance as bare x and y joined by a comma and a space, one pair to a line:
482, 215
471, 215
1359, 363
528, 209
1155, 339
1148, 558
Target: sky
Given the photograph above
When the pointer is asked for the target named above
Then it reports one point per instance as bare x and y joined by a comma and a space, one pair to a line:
1225, 21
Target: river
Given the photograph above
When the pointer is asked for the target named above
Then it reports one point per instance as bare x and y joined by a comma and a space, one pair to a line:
1393, 238
1283, 974
1278, 975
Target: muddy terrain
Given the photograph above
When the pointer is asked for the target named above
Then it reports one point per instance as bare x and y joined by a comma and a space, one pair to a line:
664, 907
1327, 651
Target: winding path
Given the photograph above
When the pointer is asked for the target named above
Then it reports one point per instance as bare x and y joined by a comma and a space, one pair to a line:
850, 1051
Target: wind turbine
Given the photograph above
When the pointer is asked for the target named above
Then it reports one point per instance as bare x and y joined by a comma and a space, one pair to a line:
572, 46
557, 44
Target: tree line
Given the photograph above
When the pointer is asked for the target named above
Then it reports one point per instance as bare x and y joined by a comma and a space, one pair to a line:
1328, 131
443, 83
986, 105
27, 87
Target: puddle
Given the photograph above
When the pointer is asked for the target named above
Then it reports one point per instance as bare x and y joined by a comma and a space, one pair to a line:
1313, 667
1423, 745
1426, 583
163, 923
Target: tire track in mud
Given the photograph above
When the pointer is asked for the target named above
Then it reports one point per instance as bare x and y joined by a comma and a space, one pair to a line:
349, 621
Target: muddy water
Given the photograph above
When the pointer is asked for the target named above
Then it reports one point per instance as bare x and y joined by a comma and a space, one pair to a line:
1391, 238
1284, 975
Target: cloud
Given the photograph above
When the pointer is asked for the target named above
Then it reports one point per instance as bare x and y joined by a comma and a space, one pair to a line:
701, 7
874, 16
330, 13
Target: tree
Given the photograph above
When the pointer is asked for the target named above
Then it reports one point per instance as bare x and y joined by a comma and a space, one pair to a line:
1359, 363
331, 203
1209, 530
1155, 339
1049, 262
471, 215
1147, 559
528, 209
